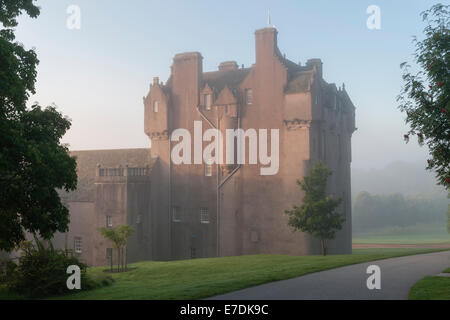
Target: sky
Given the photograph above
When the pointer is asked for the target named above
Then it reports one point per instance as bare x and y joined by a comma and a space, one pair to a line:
98, 74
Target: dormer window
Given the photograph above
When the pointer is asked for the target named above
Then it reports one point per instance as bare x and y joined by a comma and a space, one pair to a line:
155, 106
208, 102
248, 96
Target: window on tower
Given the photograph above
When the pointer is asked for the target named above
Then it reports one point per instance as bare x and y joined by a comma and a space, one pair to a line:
208, 168
204, 216
248, 96
109, 223
176, 214
208, 101
77, 245
155, 106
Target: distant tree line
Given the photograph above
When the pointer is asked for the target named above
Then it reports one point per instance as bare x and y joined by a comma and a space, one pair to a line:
371, 212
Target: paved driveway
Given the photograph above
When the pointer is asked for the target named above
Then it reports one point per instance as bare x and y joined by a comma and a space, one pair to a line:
398, 275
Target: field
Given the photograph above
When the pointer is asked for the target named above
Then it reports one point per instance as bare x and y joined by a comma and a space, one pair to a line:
411, 235
201, 278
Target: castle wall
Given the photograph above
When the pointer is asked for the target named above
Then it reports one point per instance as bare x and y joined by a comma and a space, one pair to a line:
293, 99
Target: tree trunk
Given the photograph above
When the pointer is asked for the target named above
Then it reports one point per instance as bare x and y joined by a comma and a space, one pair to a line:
123, 264
324, 250
126, 262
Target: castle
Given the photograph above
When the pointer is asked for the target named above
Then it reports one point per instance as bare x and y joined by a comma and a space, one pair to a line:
211, 209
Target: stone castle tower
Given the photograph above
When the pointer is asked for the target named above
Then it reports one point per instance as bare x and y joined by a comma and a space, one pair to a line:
209, 210
217, 209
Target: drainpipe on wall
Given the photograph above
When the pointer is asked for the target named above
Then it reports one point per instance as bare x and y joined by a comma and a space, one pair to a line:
220, 184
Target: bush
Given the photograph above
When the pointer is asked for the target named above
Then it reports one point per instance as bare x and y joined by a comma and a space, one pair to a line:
41, 271
7, 269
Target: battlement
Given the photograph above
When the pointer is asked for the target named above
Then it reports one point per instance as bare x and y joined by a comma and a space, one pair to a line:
111, 174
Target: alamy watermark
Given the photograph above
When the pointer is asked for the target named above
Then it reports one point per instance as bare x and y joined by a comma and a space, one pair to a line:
374, 20
74, 280
73, 21
214, 152
374, 280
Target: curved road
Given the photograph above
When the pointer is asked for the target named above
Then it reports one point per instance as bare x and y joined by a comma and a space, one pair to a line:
398, 275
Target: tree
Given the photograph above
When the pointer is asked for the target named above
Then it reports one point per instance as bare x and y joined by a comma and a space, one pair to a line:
425, 96
33, 162
118, 236
316, 215
448, 217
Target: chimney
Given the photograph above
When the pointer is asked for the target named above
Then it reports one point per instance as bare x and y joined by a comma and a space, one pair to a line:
228, 65
187, 69
316, 62
266, 45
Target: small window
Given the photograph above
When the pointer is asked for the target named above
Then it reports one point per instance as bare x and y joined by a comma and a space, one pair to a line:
204, 216
108, 253
155, 106
176, 214
77, 244
208, 168
138, 219
109, 223
207, 98
317, 99
248, 96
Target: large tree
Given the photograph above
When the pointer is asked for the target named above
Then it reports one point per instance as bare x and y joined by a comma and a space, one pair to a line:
317, 215
425, 96
33, 162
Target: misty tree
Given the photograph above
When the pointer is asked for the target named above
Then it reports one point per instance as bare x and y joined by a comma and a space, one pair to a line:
33, 162
372, 212
118, 236
317, 215
425, 96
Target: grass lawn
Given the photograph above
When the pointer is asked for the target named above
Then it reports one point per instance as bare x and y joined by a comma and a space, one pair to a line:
201, 278
431, 288
412, 235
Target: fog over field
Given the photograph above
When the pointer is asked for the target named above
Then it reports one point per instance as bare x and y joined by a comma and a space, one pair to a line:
403, 177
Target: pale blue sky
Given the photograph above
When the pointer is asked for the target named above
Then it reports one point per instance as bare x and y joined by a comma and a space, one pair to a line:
98, 75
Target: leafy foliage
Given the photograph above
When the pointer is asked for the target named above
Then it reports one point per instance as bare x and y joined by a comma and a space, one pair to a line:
41, 271
33, 162
7, 269
425, 96
316, 215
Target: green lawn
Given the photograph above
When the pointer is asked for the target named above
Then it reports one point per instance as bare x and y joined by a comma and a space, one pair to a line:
431, 288
410, 235
201, 278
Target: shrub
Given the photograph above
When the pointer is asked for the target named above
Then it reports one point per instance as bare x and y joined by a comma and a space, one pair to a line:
41, 271
7, 269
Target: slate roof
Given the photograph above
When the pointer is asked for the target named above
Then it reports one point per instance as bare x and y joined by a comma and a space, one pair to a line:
219, 79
